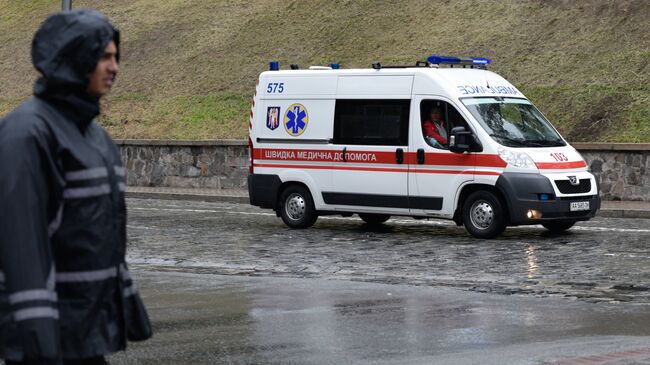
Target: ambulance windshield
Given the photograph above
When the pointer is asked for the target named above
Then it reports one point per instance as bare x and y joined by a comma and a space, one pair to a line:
513, 122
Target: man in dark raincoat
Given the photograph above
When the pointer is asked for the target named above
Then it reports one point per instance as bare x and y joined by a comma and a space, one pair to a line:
65, 293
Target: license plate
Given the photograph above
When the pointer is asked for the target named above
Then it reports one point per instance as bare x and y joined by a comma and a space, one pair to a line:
578, 206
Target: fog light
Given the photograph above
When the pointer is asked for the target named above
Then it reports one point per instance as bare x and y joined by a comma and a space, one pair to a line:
534, 214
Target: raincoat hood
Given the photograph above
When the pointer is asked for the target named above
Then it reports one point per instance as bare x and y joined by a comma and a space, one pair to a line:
65, 51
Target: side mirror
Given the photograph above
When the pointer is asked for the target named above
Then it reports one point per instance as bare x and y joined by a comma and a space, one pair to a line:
462, 140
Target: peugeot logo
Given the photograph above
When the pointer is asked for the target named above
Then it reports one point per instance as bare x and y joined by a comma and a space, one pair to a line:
573, 180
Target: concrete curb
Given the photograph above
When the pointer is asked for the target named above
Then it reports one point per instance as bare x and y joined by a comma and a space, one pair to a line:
187, 196
582, 146
608, 213
620, 213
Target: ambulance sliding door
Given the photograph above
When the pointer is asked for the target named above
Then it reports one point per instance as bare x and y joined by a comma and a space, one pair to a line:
436, 173
371, 170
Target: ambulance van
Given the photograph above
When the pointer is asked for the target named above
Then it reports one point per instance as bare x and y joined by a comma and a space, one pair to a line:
444, 138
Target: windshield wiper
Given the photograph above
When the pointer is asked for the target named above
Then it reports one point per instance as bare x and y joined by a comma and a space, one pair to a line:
536, 144
546, 143
503, 139
527, 143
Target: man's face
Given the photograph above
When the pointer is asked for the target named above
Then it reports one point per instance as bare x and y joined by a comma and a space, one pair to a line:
435, 115
101, 81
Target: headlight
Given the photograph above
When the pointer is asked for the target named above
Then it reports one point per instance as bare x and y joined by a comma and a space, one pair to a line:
516, 158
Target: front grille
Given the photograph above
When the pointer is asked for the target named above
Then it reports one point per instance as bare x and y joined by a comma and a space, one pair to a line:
565, 187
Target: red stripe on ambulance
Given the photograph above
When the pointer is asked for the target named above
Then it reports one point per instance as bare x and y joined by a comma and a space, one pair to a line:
560, 165
378, 157
378, 169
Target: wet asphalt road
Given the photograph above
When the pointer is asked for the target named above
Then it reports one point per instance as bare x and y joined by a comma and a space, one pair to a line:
230, 284
603, 260
216, 319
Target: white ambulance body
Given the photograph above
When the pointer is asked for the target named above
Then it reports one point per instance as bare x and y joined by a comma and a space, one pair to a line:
343, 141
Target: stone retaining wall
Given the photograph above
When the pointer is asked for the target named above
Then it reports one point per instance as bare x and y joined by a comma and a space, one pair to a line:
623, 170
185, 164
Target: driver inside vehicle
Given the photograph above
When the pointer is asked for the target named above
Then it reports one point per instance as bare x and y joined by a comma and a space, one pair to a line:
435, 128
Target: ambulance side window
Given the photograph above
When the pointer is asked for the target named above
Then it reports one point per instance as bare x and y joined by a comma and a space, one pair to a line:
438, 118
371, 122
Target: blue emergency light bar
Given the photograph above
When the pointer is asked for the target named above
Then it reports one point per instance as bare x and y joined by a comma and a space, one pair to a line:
481, 61
274, 66
449, 60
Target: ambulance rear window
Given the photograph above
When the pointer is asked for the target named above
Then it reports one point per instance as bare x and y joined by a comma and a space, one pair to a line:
371, 122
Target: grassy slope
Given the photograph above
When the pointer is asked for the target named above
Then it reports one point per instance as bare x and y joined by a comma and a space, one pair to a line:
189, 66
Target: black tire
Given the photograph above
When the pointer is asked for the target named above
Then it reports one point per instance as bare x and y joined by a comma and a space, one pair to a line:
374, 219
484, 215
558, 226
297, 207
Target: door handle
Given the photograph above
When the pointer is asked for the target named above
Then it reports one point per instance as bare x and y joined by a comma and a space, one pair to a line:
399, 156
420, 156
345, 159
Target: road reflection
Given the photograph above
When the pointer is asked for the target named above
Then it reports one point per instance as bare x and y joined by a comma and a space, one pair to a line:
532, 261
205, 319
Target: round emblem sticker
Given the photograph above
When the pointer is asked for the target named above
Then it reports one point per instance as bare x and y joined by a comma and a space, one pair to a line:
296, 119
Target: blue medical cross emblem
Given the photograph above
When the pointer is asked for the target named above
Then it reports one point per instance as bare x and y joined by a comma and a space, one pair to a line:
296, 119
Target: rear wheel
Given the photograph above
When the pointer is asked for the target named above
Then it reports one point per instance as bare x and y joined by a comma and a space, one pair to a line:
297, 207
558, 226
484, 215
374, 219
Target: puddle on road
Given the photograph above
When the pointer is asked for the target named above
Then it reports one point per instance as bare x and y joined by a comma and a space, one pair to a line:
249, 320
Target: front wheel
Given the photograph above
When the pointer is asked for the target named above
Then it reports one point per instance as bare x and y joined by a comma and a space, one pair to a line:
484, 215
558, 226
297, 207
374, 219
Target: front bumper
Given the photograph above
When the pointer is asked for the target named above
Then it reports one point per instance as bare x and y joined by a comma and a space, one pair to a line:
522, 193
